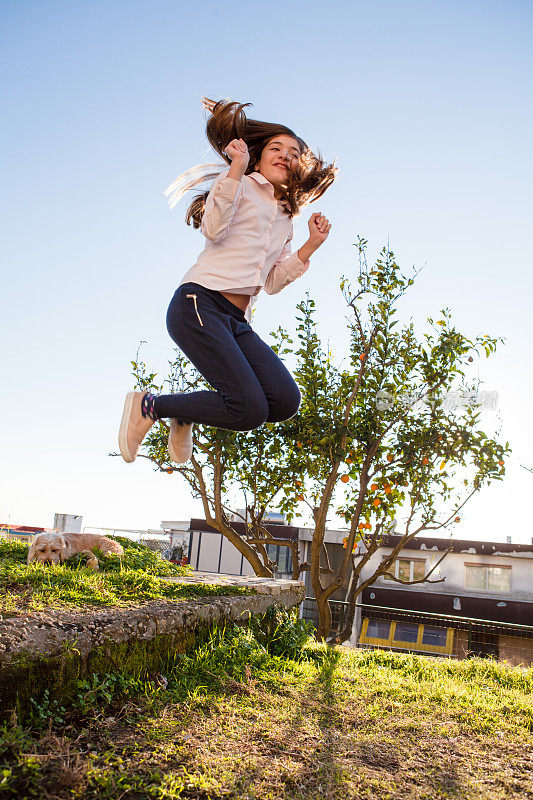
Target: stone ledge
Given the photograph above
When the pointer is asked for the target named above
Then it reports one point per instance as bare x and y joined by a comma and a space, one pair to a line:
262, 585
52, 649
49, 634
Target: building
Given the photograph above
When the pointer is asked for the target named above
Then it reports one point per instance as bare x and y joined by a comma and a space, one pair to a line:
68, 523
482, 603
22, 533
209, 551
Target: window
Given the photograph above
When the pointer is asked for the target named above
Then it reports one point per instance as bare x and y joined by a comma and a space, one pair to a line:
403, 635
488, 579
407, 569
282, 556
434, 636
378, 628
406, 632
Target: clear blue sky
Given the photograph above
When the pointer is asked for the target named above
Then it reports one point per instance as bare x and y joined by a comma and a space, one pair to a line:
425, 105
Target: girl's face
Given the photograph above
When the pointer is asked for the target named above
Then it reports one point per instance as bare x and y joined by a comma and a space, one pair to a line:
278, 158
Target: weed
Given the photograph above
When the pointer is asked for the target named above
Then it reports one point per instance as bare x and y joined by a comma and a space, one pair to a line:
46, 712
282, 632
101, 690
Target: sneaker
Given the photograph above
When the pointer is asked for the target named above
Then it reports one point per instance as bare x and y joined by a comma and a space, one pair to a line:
180, 441
133, 426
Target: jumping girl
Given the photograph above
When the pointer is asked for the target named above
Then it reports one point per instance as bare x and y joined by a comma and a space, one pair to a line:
246, 218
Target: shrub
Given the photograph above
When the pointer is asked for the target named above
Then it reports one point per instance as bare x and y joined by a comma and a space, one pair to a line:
282, 632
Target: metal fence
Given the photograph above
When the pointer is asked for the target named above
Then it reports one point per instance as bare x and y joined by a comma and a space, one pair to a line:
431, 634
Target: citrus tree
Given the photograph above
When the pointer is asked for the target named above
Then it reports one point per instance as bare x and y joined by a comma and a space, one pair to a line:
394, 435
398, 429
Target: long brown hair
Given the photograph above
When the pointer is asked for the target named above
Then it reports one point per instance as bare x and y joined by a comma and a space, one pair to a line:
305, 183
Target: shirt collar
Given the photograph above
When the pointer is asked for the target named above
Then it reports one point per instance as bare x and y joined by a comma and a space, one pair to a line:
259, 178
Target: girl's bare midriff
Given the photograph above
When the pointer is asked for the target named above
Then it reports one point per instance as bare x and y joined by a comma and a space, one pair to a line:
239, 300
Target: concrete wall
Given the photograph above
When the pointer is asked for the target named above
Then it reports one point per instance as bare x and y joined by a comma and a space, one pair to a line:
453, 571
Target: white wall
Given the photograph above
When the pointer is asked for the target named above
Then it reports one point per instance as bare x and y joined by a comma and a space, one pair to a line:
452, 569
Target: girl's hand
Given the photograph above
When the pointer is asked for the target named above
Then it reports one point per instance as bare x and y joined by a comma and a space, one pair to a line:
319, 228
237, 151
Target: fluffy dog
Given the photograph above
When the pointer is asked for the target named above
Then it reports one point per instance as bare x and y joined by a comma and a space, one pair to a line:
55, 547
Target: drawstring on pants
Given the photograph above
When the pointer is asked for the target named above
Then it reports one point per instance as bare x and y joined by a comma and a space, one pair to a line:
196, 308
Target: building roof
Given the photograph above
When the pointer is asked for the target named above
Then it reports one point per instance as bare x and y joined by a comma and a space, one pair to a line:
5, 526
462, 546
275, 530
390, 540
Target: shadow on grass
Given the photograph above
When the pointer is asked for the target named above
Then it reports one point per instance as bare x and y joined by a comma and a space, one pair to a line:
324, 765
320, 772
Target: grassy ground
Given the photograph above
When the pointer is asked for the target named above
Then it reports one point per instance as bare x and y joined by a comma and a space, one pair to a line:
138, 575
235, 721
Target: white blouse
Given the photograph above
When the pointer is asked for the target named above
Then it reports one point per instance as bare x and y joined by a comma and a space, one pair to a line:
248, 237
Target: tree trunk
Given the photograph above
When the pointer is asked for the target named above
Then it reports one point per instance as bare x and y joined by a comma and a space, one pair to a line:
346, 632
324, 616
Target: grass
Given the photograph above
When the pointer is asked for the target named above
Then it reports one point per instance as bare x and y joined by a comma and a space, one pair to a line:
232, 720
139, 575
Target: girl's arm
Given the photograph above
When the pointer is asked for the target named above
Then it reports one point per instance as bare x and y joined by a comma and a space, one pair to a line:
289, 267
220, 206
306, 250
225, 194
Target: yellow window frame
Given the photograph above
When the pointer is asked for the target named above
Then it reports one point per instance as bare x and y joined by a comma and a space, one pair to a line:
398, 645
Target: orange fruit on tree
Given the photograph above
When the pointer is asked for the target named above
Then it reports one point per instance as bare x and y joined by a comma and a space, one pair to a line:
457, 519
169, 470
349, 460
388, 490
501, 463
390, 457
361, 526
368, 525
374, 487
376, 502
361, 356
345, 478
425, 461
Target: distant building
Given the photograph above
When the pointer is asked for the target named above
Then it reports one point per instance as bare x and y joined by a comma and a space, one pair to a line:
24, 533
483, 605
65, 523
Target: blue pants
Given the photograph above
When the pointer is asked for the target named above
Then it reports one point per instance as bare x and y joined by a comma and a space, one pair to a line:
252, 384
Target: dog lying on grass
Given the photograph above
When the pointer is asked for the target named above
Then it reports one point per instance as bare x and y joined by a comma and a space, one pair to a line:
56, 547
